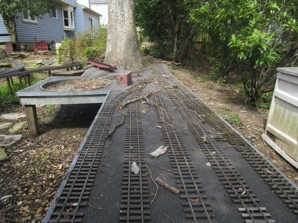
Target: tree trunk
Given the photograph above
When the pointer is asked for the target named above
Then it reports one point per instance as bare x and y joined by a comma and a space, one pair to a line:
10, 24
122, 42
186, 44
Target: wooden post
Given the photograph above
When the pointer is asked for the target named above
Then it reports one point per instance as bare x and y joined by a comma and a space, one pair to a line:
20, 80
30, 111
28, 78
1, 108
9, 85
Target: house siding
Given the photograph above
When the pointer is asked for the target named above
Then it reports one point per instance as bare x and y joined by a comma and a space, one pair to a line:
71, 2
50, 29
4, 36
46, 29
82, 19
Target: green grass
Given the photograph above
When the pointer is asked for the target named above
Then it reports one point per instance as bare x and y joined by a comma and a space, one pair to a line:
8, 100
234, 119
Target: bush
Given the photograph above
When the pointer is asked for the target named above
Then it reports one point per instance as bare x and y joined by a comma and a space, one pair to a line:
85, 45
67, 52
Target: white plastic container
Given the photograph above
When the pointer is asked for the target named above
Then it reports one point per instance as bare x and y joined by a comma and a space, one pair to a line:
281, 131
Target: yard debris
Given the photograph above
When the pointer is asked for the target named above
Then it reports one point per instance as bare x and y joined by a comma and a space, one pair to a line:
5, 197
134, 168
3, 155
144, 98
205, 138
159, 151
117, 126
166, 185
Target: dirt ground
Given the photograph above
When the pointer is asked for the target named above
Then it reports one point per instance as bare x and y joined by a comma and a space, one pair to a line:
32, 175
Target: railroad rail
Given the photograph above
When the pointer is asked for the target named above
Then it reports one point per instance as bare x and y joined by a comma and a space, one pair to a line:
219, 177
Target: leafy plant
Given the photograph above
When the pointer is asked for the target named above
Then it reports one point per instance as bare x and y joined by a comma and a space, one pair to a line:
67, 52
85, 45
252, 38
234, 119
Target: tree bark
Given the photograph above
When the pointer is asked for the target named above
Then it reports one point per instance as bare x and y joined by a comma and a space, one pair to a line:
10, 24
122, 42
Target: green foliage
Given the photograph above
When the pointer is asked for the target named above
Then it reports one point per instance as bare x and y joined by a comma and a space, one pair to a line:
234, 119
85, 45
6, 98
167, 23
250, 37
9, 10
67, 51
36, 7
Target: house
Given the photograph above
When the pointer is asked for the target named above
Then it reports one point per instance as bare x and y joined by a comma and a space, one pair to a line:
61, 22
100, 6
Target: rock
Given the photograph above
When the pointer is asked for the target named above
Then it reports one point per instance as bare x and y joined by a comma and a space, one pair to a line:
13, 116
17, 127
5, 125
44, 204
3, 155
7, 141
38, 62
39, 210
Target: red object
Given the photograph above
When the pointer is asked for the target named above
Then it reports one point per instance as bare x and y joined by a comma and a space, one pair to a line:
42, 46
124, 79
101, 65
10, 47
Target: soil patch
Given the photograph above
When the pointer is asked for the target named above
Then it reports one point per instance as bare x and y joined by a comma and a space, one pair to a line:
226, 103
80, 84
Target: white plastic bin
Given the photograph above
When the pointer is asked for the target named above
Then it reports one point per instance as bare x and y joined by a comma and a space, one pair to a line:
281, 131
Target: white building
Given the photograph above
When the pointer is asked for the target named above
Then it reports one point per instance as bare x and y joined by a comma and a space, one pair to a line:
100, 6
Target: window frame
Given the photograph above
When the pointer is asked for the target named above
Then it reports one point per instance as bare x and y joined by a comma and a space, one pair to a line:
70, 19
29, 18
56, 13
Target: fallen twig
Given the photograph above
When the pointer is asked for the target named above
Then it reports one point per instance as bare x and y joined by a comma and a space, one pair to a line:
155, 194
117, 126
166, 185
169, 218
144, 97
95, 208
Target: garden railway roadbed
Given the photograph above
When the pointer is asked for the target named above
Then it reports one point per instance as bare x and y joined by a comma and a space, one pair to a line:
212, 173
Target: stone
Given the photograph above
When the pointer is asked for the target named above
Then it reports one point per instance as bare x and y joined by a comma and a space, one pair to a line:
38, 62
7, 141
39, 210
3, 155
17, 127
5, 125
13, 116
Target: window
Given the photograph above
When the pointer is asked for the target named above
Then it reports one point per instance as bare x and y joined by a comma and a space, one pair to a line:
27, 17
92, 24
53, 13
68, 19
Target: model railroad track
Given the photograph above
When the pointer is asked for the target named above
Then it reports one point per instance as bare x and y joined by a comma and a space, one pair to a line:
76, 187
195, 205
235, 185
278, 183
135, 204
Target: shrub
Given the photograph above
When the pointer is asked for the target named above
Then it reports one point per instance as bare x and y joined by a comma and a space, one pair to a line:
67, 52
85, 45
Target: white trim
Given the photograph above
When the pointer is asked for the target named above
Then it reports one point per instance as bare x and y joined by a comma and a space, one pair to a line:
56, 14
70, 18
29, 20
